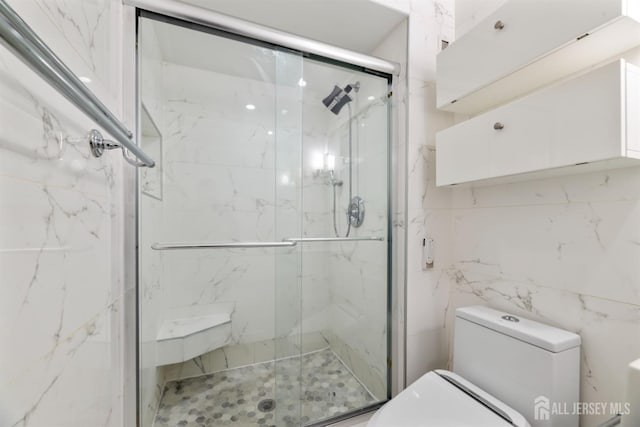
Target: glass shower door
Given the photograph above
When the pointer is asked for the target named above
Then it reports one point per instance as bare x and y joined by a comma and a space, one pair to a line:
258, 303
288, 225
344, 246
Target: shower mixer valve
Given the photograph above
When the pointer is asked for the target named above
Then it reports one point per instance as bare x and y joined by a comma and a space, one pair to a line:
355, 212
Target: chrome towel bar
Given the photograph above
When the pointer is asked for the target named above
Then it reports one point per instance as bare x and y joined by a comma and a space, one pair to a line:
221, 245
19, 38
333, 239
288, 242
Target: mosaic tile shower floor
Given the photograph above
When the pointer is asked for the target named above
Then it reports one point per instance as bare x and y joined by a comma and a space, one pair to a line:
231, 397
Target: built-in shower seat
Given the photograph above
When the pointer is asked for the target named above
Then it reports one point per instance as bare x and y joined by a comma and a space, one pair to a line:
184, 337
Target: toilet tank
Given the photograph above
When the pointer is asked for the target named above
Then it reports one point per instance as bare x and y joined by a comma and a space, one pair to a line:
532, 367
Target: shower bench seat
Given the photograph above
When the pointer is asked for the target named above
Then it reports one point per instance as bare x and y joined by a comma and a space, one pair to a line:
184, 338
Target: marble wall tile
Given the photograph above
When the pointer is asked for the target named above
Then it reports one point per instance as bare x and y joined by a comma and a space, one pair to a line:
61, 316
562, 251
608, 329
81, 34
560, 239
358, 279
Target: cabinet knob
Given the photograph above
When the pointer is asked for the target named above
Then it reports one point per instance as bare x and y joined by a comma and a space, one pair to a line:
498, 126
499, 25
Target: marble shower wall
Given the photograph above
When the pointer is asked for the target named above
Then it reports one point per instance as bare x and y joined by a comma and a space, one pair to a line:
60, 235
224, 180
563, 251
357, 281
221, 184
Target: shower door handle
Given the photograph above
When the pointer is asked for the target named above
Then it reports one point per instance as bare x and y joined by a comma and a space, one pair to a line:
284, 243
335, 239
222, 245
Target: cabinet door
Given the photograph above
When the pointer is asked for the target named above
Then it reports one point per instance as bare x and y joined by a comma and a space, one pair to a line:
575, 122
633, 110
462, 154
531, 29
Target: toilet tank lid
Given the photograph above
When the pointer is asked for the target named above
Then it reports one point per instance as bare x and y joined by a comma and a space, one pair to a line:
529, 331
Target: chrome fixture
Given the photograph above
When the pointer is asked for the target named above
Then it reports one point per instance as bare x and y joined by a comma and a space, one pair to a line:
98, 145
498, 126
287, 242
19, 38
334, 239
222, 245
337, 99
356, 212
335, 182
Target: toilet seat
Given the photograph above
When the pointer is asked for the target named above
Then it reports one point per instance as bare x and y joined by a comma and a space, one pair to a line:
438, 399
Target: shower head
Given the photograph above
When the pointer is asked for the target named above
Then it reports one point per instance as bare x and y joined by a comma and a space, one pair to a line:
338, 97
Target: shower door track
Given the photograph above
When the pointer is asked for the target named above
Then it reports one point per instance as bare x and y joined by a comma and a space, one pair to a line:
226, 23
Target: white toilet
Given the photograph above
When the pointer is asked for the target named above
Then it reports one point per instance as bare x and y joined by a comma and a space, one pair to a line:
508, 371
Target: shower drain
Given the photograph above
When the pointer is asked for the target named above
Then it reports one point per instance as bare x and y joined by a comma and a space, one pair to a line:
266, 405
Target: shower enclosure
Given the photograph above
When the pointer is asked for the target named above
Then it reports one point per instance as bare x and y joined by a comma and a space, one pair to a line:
263, 232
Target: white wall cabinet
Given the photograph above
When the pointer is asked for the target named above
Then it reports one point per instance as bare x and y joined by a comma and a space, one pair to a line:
527, 44
593, 119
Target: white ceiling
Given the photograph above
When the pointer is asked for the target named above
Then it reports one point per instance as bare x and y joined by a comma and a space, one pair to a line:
358, 25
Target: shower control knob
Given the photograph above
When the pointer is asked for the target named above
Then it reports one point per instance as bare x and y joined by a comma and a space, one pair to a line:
355, 212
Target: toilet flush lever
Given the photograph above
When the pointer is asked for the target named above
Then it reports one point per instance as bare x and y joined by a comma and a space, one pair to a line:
510, 318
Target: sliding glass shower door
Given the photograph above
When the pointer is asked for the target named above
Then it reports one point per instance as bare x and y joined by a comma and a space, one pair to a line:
263, 232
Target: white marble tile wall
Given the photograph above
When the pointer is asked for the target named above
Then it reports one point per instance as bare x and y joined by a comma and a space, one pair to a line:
358, 279
221, 185
224, 181
427, 208
61, 293
562, 251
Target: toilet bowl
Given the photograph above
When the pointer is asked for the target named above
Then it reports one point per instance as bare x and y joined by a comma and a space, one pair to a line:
504, 368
